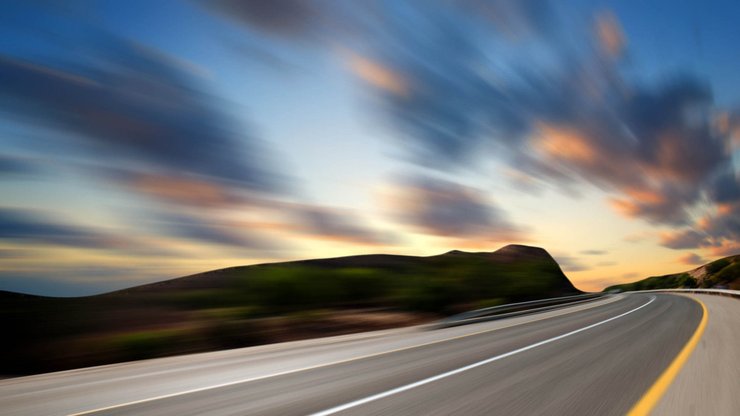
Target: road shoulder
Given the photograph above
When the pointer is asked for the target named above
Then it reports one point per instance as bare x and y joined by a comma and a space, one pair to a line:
709, 381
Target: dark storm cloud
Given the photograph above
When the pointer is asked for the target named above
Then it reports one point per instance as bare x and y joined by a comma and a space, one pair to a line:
448, 209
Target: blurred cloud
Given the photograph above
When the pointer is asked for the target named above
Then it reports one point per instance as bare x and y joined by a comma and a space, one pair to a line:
14, 253
179, 190
682, 239
209, 230
725, 248
273, 225
460, 81
639, 237
725, 189
12, 165
692, 259
377, 75
138, 109
514, 18
338, 225
447, 209
719, 229
594, 252
23, 226
571, 264
570, 116
610, 34
292, 19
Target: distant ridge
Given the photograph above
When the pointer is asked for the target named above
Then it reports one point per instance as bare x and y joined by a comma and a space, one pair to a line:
265, 303
719, 274
516, 252
507, 255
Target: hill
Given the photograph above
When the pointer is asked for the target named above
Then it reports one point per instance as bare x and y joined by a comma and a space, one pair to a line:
721, 274
266, 303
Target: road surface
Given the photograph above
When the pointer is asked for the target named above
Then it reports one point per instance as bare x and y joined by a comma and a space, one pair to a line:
601, 357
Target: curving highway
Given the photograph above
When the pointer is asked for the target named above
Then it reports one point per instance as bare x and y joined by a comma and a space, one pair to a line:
606, 357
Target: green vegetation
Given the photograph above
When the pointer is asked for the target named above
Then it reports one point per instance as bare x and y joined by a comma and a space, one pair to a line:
725, 276
244, 306
671, 281
433, 286
718, 265
722, 273
148, 344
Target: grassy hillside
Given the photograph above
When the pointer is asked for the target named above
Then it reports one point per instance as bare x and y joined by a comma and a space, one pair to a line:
723, 273
267, 303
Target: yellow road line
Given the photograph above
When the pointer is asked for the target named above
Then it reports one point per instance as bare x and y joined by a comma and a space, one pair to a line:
656, 391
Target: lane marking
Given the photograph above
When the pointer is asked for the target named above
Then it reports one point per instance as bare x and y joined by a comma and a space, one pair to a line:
362, 357
410, 386
648, 401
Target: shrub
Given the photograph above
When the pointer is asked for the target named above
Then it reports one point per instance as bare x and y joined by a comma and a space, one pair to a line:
716, 266
149, 344
728, 274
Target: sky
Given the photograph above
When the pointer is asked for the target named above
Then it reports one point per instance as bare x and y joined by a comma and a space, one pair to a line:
142, 141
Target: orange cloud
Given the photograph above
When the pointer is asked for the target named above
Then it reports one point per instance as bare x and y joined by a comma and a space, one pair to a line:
377, 75
565, 143
638, 201
610, 34
646, 196
725, 209
726, 248
691, 259
182, 190
625, 207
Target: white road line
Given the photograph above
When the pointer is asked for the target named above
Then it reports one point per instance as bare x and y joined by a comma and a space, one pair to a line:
298, 370
397, 390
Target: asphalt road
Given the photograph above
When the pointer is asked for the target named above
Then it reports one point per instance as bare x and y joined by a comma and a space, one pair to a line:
597, 358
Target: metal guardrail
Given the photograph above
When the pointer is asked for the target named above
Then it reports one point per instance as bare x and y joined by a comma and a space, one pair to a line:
719, 292
513, 309
521, 308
